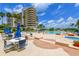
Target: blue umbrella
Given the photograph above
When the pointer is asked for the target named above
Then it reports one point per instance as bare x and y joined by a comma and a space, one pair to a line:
6, 31
18, 33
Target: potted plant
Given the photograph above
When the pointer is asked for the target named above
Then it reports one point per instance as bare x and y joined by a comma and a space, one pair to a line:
76, 43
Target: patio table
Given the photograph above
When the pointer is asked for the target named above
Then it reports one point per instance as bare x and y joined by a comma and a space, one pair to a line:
16, 40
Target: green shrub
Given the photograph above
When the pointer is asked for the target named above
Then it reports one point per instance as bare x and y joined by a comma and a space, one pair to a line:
1, 31
3, 26
29, 29
71, 29
13, 29
21, 29
51, 29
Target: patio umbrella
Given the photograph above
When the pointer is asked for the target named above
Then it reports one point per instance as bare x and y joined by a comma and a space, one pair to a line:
6, 30
18, 33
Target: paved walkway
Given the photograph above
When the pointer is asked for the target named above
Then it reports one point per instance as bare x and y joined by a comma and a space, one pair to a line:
37, 48
32, 50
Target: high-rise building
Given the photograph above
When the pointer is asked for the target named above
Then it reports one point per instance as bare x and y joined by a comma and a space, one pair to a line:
29, 17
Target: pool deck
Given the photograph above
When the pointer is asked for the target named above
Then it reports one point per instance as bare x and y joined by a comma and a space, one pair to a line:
38, 47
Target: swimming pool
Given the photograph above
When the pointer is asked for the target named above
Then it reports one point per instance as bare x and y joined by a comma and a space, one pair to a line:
54, 32
72, 38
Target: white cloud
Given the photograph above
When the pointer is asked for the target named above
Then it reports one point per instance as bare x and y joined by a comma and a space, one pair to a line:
60, 20
42, 22
71, 20
40, 7
50, 21
8, 10
68, 22
17, 9
76, 5
61, 23
55, 23
42, 14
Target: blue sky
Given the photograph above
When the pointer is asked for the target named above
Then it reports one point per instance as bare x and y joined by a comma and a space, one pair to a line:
57, 15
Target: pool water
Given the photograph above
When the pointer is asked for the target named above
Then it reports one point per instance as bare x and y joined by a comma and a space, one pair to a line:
72, 38
54, 32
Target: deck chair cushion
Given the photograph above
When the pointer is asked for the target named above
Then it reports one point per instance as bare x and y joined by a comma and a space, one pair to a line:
22, 43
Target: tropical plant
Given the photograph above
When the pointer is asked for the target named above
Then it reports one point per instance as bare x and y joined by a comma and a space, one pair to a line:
12, 16
51, 29
41, 26
13, 29
76, 43
9, 15
77, 23
2, 27
17, 17
29, 29
2, 15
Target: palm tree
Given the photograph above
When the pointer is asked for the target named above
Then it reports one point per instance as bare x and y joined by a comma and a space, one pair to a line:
19, 17
77, 23
2, 15
16, 16
9, 15
41, 27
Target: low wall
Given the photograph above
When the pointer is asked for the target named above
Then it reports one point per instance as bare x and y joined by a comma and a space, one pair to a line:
44, 44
